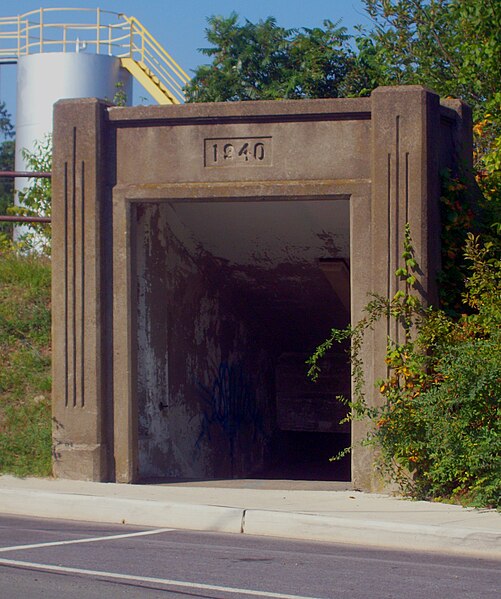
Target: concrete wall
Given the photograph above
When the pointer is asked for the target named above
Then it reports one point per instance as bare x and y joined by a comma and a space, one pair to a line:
204, 377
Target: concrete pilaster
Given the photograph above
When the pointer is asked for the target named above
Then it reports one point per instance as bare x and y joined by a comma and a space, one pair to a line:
80, 444
405, 189
124, 344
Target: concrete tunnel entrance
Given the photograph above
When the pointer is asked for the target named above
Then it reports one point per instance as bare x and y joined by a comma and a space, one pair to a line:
231, 298
201, 252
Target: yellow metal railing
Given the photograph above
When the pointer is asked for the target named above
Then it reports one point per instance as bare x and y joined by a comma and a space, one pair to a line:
99, 31
151, 55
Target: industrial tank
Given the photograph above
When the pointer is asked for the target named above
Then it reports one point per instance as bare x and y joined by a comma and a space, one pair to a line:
43, 79
79, 53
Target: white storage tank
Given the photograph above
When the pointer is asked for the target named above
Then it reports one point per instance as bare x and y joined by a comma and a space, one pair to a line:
64, 53
43, 79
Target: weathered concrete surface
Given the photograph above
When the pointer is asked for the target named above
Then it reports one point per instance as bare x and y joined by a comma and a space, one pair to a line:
204, 403
195, 246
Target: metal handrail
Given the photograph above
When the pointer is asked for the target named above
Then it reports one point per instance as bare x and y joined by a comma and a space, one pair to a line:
33, 31
107, 32
137, 29
17, 218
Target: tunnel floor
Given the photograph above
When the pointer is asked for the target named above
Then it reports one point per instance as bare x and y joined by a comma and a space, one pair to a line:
303, 462
306, 456
256, 483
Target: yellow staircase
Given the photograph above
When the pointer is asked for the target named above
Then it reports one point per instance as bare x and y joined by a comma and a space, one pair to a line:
152, 66
149, 81
102, 31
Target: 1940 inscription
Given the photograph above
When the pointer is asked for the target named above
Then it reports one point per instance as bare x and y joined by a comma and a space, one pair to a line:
238, 151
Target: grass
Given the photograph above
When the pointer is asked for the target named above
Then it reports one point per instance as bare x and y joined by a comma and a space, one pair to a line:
25, 362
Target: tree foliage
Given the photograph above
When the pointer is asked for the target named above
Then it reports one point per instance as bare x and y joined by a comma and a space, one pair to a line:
6, 126
36, 198
262, 61
6, 164
453, 47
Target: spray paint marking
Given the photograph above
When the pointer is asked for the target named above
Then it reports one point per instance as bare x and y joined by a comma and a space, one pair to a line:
231, 403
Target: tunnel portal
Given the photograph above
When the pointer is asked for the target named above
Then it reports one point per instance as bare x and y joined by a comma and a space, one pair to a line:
232, 298
201, 252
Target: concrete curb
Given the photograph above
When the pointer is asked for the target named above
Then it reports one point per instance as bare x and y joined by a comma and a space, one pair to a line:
374, 533
115, 510
291, 525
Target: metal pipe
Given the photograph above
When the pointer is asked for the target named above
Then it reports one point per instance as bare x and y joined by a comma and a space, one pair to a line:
26, 174
41, 30
25, 219
98, 30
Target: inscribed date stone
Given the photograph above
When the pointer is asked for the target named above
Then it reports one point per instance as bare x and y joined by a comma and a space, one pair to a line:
238, 151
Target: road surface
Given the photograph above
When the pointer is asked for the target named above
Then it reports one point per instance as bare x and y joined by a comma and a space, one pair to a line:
73, 560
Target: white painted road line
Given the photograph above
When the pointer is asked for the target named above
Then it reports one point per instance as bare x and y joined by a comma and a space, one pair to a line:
86, 540
148, 579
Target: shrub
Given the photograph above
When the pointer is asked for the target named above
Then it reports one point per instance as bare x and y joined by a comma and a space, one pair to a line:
438, 424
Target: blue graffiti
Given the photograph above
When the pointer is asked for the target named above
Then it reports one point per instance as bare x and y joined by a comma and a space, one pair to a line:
231, 406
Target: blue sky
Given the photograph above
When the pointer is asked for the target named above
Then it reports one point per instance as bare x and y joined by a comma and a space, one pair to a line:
180, 25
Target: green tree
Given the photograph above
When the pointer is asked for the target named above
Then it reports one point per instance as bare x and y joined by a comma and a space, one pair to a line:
437, 425
262, 61
6, 164
36, 198
6, 126
453, 47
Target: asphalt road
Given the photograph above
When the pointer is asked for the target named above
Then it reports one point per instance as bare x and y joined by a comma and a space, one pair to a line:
72, 560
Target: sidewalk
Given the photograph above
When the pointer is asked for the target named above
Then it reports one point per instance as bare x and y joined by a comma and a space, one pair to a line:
327, 512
